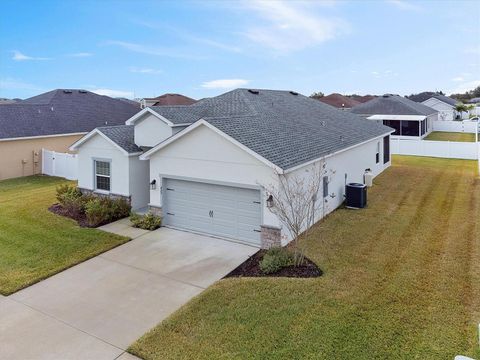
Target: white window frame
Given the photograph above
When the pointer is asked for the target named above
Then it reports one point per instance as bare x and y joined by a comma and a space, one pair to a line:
96, 189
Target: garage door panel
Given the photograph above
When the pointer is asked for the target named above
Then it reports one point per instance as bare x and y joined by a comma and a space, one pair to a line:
215, 209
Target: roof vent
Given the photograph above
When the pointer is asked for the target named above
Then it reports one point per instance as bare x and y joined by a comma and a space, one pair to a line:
82, 91
386, 95
251, 91
67, 91
293, 93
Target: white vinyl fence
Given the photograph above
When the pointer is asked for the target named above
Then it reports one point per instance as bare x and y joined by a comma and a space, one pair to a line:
442, 149
59, 164
455, 126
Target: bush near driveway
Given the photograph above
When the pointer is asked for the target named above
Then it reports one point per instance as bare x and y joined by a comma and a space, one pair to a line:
401, 281
35, 243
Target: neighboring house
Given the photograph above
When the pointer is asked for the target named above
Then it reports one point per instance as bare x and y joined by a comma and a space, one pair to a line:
420, 97
362, 98
204, 164
5, 101
167, 99
444, 105
409, 118
338, 101
53, 120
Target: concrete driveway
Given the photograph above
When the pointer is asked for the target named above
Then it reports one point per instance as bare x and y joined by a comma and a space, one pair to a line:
96, 309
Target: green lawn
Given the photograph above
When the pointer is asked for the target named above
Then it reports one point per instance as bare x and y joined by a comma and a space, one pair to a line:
450, 136
402, 281
35, 243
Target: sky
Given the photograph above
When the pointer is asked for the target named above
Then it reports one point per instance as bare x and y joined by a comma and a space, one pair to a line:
128, 48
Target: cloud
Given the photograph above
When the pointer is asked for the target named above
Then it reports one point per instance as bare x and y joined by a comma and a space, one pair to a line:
154, 50
114, 93
473, 50
80, 54
384, 74
290, 26
18, 56
404, 5
464, 87
187, 36
458, 79
225, 83
137, 70
16, 84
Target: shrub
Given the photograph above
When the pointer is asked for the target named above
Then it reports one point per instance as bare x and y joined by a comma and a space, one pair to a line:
120, 208
147, 222
67, 191
102, 210
97, 212
275, 259
71, 199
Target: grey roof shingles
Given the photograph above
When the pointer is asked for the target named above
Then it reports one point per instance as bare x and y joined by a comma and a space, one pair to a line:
123, 136
392, 105
446, 99
285, 128
62, 112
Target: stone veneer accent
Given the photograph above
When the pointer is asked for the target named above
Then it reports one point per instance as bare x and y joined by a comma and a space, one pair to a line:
155, 210
111, 196
270, 236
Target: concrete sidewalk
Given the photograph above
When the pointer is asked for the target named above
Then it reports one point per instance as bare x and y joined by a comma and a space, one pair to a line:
96, 309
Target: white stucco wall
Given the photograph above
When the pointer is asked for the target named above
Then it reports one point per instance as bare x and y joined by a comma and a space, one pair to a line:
446, 111
97, 148
342, 168
204, 155
150, 130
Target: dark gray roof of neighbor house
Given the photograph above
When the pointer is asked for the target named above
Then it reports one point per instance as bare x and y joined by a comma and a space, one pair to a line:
123, 136
62, 111
421, 97
445, 99
284, 127
392, 105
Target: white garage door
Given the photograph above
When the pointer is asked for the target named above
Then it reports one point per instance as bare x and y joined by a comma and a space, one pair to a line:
214, 209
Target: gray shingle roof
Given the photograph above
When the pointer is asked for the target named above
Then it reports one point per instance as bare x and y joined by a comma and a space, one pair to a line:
62, 112
446, 99
123, 136
284, 128
392, 105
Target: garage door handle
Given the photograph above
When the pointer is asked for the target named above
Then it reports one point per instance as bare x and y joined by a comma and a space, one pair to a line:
256, 230
170, 214
170, 189
256, 202
210, 213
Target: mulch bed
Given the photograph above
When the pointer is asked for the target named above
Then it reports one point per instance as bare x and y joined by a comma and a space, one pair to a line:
251, 268
81, 219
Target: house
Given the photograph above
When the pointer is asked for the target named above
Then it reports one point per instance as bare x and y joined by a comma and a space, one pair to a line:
206, 165
338, 101
420, 97
167, 99
410, 119
361, 98
444, 105
52, 120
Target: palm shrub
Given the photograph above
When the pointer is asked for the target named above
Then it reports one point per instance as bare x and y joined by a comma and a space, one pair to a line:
147, 222
276, 258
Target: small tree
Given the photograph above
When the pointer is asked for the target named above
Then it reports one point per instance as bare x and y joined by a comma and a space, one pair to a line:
295, 202
317, 95
460, 108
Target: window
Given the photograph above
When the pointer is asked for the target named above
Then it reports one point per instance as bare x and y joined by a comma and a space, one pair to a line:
102, 175
377, 155
393, 124
410, 128
386, 149
325, 186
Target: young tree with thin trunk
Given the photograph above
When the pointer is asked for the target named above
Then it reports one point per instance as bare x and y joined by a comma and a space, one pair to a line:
296, 201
